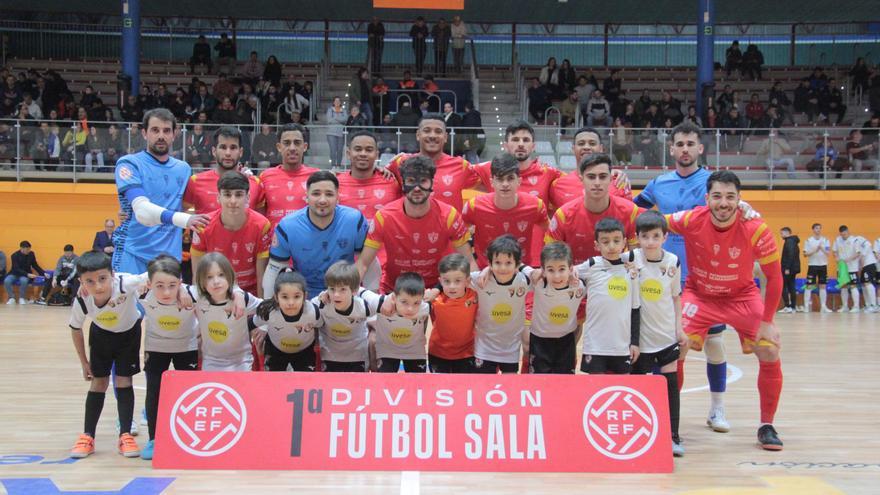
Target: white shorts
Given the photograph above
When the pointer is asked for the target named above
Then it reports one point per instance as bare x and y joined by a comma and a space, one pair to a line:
245, 364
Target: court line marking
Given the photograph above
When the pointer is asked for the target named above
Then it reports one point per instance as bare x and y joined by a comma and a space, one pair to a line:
409, 483
734, 375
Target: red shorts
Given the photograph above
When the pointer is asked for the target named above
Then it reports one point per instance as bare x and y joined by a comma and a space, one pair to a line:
700, 313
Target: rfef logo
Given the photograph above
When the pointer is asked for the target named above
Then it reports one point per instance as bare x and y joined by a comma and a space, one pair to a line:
208, 419
620, 422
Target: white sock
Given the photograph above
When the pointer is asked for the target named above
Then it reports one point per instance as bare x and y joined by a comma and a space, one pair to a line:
844, 298
808, 299
870, 295
717, 400
854, 291
823, 296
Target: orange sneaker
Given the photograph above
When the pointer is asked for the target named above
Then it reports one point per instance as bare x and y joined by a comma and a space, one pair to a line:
127, 446
84, 447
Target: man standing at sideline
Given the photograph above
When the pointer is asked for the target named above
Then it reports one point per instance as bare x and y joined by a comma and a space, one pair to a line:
816, 249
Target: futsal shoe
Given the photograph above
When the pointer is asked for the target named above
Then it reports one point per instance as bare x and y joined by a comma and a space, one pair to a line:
147, 451
677, 448
10, 301
22, 301
717, 421
768, 439
826, 309
855, 309
84, 447
128, 447
842, 309
785, 310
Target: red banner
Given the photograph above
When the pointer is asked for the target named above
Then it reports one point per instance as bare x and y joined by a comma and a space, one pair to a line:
431, 422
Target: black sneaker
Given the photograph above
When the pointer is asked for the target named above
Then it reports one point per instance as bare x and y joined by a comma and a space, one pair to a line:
768, 439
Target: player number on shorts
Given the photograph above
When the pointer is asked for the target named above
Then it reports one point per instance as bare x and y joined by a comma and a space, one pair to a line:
316, 397
689, 309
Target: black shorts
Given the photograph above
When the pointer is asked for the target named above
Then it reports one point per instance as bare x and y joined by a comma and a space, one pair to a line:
552, 355
278, 360
868, 275
599, 365
120, 348
492, 367
817, 275
648, 361
157, 362
344, 367
442, 365
392, 365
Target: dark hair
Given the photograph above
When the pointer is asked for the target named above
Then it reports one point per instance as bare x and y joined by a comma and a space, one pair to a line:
504, 164
587, 129
608, 225
432, 116
164, 263
320, 176
201, 274
651, 220
504, 244
227, 132
24, 244
68, 247
786, 229
162, 114
723, 177
686, 127
285, 276
233, 181
556, 251
362, 132
842, 228
343, 273
92, 261
519, 125
419, 165
816, 225
590, 161
455, 262
293, 126
409, 283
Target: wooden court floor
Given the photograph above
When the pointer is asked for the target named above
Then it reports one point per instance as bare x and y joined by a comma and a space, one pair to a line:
828, 419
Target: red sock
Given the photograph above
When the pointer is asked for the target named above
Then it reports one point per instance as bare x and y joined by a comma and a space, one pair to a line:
680, 374
524, 365
769, 388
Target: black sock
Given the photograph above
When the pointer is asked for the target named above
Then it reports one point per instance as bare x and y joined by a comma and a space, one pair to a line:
125, 408
674, 400
154, 382
94, 406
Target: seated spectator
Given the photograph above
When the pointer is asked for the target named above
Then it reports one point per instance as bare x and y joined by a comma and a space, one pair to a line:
567, 76
649, 146
549, 78
407, 82
733, 125
755, 112
74, 142
611, 87
203, 101
806, 100
600, 110
818, 80
585, 91
136, 140
569, 109
618, 107
293, 102
145, 98
778, 96
99, 112
386, 136
355, 119
21, 269
726, 99
773, 119
692, 116
826, 159
272, 70
253, 69
178, 103
46, 147
64, 276
871, 129
225, 49
831, 101
643, 103
752, 61
131, 111
670, 108
538, 101
104, 238
772, 152
199, 147
733, 58
861, 155
223, 88
201, 55
163, 96
225, 112
712, 120
271, 102
87, 97
95, 145
265, 151
33, 107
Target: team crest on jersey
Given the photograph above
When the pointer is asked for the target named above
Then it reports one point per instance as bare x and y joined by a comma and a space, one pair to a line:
379, 193
290, 184
125, 173
361, 193
416, 237
250, 247
734, 252
716, 248
342, 243
433, 237
506, 226
533, 180
447, 179
234, 247
522, 226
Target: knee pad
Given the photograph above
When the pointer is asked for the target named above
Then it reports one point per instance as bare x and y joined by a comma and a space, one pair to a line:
714, 349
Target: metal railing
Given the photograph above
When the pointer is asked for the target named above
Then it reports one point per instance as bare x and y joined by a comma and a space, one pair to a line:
796, 157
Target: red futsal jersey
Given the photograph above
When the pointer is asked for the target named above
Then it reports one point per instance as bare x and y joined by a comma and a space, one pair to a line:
367, 195
201, 192
415, 244
569, 187
243, 246
285, 190
489, 222
575, 225
721, 262
454, 174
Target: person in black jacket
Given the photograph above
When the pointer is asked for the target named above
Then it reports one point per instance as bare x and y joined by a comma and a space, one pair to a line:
419, 34
24, 262
791, 266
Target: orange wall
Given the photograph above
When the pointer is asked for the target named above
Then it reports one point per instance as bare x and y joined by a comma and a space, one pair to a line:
51, 215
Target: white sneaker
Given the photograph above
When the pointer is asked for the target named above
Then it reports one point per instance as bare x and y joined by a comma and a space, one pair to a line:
717, 421
785, 310
22, 300
842, 309
854, 310
801, 309
825, 309
11, 300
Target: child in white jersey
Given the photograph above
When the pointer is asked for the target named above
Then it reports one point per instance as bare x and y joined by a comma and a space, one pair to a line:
662, 341
611, 332
501, 307
344, 336
400, 337
225, 337
290, 322
552, 339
